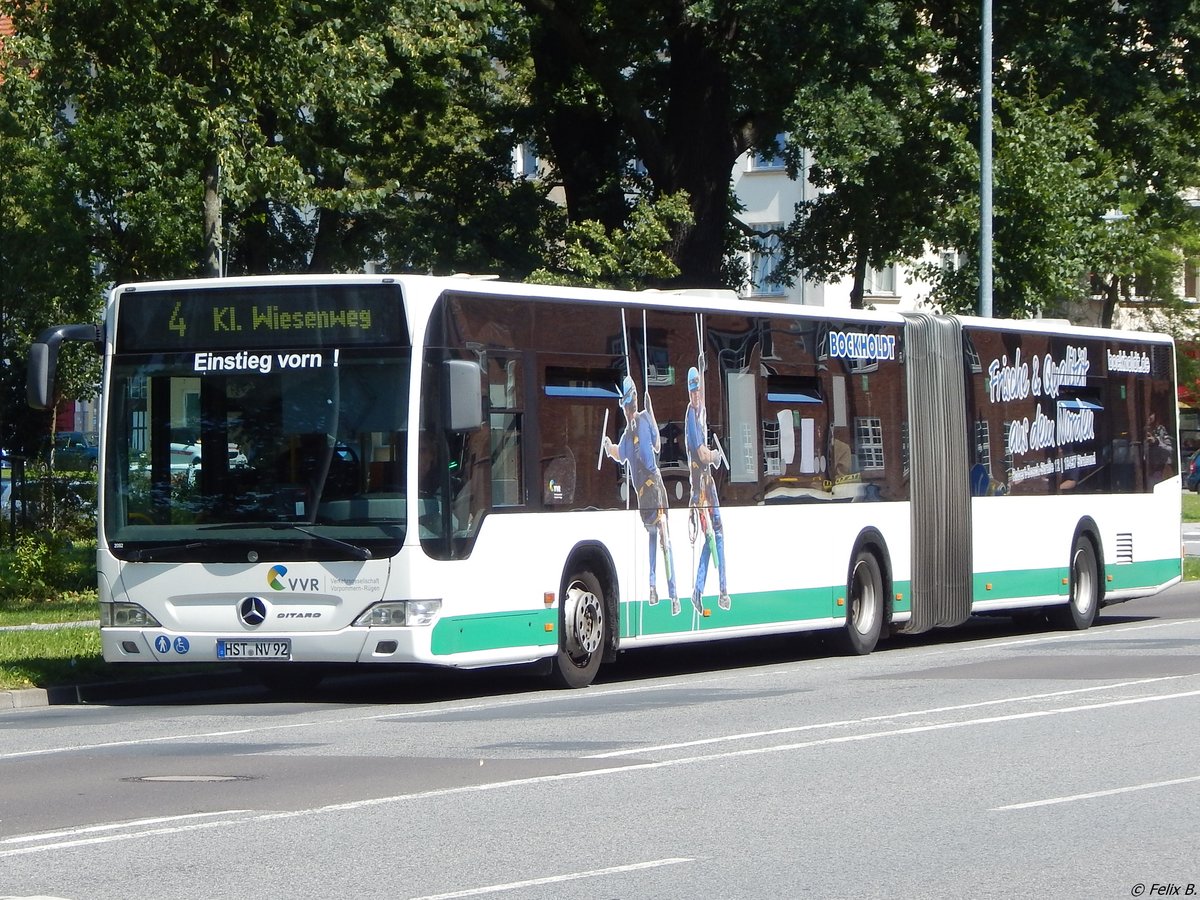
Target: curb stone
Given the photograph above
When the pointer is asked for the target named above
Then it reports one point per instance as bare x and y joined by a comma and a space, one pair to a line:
24, 699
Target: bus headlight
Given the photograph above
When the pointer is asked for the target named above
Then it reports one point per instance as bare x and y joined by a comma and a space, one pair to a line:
397, 613
122, 614
423, 612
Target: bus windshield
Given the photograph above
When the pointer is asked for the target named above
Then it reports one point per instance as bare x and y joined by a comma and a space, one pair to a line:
219, 455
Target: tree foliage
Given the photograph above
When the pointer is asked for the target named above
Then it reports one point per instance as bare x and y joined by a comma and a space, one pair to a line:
881, 155
1048, 229
1122, 77
329, 133
673, 89
145, 139
625, 258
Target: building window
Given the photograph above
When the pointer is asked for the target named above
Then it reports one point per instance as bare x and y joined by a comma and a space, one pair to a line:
772, 458
1191, 275
527, 161
983, 444
880, 281
972, 356
868, 442
771, 160
765, 262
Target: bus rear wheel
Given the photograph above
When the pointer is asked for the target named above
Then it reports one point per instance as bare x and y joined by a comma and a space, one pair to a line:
582, 632
1084, 595
864, 605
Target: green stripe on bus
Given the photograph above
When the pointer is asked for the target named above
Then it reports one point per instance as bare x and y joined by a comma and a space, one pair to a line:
1017, 583
748, 609
902, 596
1151, 573
466, 634
761, 608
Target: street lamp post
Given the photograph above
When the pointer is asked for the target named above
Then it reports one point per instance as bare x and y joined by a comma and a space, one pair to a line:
985, 164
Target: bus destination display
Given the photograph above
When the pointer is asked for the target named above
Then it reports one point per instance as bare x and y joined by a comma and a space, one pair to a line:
234, 318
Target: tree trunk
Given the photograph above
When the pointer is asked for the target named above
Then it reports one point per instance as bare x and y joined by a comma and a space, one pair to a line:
860, 279
689, 145
1112, 296
328, 249
211, 264
701, 145
587, 147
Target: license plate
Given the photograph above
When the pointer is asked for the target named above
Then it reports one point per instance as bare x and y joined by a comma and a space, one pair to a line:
257, 649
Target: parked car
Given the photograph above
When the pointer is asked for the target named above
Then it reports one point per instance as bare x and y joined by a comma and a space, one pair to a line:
74, 452
186, 457
1192, 472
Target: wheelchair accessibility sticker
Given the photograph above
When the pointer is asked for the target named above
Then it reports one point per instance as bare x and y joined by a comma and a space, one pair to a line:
162, 644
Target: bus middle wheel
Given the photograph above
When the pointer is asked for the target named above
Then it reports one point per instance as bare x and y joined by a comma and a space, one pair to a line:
864, 605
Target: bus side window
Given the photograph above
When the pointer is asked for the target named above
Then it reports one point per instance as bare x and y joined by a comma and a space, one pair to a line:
506, 459
504, 399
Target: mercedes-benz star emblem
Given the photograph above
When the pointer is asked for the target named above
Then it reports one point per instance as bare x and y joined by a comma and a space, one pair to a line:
253, 611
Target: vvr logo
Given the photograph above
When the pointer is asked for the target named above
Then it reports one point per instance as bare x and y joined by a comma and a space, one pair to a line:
275, 577
277, 582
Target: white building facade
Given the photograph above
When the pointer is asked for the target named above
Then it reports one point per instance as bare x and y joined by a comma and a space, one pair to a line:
768, 199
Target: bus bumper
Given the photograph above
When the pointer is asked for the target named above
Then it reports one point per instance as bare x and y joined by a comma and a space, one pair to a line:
350, 645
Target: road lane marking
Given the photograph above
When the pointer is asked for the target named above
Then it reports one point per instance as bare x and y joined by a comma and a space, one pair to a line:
1053, 637
558, 879
1094, 794
882, 717
113, 826
537, 780
903, 658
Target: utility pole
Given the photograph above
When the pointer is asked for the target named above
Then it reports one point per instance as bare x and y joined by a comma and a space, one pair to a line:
985, 164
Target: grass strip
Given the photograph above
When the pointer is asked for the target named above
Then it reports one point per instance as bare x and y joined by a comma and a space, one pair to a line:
50, 657
70, 606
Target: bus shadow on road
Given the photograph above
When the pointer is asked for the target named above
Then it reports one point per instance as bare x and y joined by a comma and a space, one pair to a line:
417, 686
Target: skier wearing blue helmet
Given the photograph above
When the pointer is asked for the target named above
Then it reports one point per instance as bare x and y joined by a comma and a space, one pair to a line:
637, 450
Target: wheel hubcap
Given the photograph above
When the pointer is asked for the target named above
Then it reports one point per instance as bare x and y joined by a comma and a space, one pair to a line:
863, 599
1082, 584
584, 617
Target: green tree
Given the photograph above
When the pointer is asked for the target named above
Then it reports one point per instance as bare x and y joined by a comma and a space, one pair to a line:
1124, 77
680, 88
625, 258
881, 153
211, 135
1050, 176
47, 265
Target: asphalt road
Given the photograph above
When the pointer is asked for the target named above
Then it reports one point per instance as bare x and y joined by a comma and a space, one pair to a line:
991, 762
1189, 533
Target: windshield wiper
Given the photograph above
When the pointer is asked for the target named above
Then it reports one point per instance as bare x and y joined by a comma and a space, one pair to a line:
147, 554
355, 551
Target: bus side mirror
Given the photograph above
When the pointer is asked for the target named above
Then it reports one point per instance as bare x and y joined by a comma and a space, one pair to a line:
464, 388
43, 360
39, 382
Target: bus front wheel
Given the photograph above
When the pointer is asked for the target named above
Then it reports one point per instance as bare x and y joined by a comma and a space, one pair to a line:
582, 631
864, 605
1083, 597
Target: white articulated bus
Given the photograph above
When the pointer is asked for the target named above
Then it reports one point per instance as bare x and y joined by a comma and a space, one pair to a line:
462, 472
